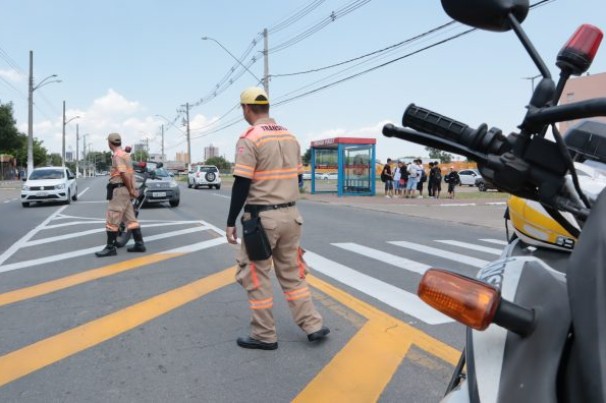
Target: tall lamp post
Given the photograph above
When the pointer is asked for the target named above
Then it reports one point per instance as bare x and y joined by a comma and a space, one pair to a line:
30, 109
64, 124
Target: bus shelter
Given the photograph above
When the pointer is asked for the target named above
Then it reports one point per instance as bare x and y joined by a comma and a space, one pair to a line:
343, 165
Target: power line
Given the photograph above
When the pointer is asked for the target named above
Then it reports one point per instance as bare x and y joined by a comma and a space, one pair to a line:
396, 45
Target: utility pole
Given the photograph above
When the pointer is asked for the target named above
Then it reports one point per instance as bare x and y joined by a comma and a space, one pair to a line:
77, 150
63, 138
30, 116
266, 63
188, 137
162, 155
84, 151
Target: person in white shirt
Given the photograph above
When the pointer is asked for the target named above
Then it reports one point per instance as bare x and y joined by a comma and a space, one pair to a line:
411, 184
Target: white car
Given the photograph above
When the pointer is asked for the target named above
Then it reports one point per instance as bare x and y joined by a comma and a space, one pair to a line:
204, 175
327, 176
49, 184
468, 176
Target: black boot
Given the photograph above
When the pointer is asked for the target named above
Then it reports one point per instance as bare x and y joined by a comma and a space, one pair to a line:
139, 246
110, 248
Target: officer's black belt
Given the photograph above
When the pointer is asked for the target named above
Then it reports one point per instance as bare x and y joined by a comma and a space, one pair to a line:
255, 209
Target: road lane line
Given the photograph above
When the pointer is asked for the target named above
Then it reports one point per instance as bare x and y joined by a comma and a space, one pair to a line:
471, 246
397, 298
43, 353
494, 241
457, 257
94, 231
87, 251
82, 192
362, 369
384, 257
17, 245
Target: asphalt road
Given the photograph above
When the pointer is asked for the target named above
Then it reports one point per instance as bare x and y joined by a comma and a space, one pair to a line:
161, 326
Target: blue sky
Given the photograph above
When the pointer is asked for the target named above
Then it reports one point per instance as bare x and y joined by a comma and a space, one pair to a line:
122, 63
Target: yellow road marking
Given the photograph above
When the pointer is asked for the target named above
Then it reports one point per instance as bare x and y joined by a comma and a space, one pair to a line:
79, 278
45, 352
362, 369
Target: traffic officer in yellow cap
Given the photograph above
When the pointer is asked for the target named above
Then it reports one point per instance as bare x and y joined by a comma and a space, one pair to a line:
120, 190
268, 163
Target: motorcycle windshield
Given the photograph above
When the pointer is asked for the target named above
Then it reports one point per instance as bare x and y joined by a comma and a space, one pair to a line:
587, 291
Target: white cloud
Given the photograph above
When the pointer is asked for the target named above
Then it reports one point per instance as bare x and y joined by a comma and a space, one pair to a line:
12, 76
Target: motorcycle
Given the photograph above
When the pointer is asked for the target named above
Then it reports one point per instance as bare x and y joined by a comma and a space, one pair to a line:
536, 317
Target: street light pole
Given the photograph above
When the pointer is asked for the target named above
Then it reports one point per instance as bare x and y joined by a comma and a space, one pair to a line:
30, 110
63, 138
208, 38
532, 80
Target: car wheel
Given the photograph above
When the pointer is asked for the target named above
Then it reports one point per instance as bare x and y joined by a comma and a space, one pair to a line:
218, 187
482, 187
75, 196
25, 204
174, 203
69, 197
189, 184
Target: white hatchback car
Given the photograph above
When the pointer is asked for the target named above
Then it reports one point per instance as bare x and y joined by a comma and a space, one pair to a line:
49, 184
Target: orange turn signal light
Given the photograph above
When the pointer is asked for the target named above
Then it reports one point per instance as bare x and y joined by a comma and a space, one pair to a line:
464, 299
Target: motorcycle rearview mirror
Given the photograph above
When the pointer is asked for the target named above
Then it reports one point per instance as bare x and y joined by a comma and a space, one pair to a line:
490, 15
578, 53
472, 302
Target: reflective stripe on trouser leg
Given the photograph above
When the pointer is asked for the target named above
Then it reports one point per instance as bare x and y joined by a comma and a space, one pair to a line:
254, 278
291, 269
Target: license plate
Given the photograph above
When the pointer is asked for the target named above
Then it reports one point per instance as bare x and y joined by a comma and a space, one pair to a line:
158, 194
42, 194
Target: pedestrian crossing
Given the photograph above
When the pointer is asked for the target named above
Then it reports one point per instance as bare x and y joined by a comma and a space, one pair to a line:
367, 275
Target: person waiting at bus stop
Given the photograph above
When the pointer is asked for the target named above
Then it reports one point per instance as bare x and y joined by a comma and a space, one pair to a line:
267, 166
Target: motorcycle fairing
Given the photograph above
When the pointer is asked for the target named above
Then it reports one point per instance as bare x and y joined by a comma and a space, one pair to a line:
587, 291
498, 364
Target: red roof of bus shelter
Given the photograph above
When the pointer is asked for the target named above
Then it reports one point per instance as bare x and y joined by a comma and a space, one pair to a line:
333, 142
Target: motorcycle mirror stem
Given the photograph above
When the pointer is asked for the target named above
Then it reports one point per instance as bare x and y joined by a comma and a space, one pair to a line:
473, 303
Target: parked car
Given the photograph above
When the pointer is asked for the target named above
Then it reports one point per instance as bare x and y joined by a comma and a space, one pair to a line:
160, 186
204, 175
49, 184
306, 176
468, 176
327, 176
483, 185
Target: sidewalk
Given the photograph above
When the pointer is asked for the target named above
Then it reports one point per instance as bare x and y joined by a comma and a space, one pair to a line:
486, 212
15, 184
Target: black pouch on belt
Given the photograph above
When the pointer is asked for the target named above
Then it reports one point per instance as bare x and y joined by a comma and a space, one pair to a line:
110, 191
255, 239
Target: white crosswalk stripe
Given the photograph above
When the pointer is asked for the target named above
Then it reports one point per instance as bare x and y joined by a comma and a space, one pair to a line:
395, 297
479, 248
494, 241
384, 257
441, 253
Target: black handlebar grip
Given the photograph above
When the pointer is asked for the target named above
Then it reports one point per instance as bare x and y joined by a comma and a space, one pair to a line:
427, 121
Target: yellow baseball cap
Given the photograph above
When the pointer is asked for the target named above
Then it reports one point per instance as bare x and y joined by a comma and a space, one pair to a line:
254, 96
114, 138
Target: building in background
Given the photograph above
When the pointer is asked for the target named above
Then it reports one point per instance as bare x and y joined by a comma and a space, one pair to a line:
210, 151
580, 89
182, 157
155, 157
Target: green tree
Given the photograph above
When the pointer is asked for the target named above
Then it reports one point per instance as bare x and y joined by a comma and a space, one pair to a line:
54, 159
220, 163
40, 153
437, 154
140, 155
10, 138
307, 156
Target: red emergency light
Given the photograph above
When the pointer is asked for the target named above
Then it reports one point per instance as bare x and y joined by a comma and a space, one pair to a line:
578, 53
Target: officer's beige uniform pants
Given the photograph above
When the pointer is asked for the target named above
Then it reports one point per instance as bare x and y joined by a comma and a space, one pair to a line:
120, 208
283, 228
